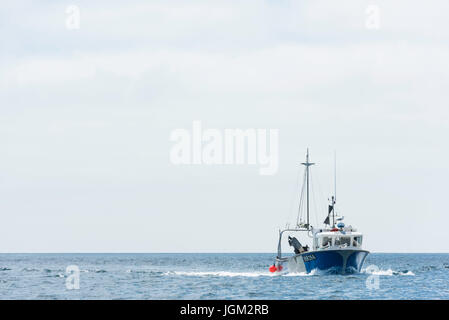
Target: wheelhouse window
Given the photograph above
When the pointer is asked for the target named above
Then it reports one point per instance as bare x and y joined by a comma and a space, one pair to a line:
343, 241
326, 242
357, 242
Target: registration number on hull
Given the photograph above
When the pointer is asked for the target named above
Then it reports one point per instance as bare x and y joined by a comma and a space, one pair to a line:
309, 257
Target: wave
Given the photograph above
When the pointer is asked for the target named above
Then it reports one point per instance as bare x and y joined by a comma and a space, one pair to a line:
138, 271
93, 270
236, 274
389, 272
217, 273
61, 271
302, 274
30, 269
99, 271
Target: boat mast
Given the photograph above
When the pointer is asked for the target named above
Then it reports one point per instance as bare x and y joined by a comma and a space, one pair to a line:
307, 164
334, 198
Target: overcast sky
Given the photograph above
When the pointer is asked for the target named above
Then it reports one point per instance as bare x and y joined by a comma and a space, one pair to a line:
86, 116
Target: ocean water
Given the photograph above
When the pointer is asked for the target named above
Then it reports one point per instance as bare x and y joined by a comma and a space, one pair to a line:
216, 276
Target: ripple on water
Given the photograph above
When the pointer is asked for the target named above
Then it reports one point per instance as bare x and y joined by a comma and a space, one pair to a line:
215, 276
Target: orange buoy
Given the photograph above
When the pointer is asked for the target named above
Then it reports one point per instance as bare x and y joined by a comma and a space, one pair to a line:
280, 268
272, 268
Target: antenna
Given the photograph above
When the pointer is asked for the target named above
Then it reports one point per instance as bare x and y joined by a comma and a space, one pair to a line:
335, 175
334, 198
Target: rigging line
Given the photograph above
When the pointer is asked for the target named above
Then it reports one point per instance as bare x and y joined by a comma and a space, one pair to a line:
321, 196
299, 217
301, 199
293, 196
314, 198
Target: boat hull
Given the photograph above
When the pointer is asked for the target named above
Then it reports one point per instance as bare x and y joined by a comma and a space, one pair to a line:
338, 261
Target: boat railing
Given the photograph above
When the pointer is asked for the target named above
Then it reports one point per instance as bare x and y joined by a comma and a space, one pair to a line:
281, 232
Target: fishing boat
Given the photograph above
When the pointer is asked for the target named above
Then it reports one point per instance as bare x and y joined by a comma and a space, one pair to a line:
336, 248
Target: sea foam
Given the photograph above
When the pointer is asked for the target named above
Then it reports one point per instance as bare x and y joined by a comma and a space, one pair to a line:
236, 274
389, 272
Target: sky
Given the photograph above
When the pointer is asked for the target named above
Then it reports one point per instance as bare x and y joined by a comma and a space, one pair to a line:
86, 116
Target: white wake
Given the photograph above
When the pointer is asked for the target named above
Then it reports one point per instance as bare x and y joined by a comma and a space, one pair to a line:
235, 274
388, 272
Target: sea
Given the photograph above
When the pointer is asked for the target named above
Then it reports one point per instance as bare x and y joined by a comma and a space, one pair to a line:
215, 276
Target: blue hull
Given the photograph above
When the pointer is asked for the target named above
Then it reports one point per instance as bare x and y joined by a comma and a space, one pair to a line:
338, 261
